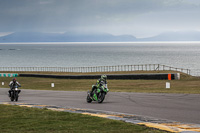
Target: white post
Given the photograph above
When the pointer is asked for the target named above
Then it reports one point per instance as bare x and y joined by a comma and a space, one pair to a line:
167, 85
2, 83
178, 76
52, 84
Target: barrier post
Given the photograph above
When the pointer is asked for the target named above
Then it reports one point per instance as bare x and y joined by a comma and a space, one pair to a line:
169, 76
52, 85
167, 85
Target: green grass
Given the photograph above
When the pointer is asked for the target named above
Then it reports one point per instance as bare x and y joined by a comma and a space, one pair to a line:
15, 119
187, 84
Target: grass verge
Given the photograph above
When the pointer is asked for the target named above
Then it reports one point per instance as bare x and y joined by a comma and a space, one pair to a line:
15, 119
187, 84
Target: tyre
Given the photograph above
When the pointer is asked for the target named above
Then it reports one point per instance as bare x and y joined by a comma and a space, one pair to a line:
12, 99
16, 96
89, 100
101, 97
12, 96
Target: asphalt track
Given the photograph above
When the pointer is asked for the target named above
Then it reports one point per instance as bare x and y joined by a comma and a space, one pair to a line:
183, 108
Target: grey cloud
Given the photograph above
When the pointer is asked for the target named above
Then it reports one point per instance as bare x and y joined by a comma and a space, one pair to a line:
114, 16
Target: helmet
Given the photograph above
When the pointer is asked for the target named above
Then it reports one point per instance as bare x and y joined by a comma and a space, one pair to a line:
14, 80
103, 77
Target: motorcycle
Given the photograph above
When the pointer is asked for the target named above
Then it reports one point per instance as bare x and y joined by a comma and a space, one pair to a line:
99, 94
14, 93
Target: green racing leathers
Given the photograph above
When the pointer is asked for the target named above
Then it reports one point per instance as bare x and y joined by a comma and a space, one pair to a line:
99, 83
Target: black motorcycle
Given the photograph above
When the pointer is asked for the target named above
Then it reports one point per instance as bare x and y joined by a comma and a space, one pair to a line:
14, 93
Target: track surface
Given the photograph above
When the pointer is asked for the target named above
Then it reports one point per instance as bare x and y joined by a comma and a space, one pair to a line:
178, 107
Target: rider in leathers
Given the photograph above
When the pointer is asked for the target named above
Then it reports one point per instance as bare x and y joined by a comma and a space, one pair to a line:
12, 84
99, 83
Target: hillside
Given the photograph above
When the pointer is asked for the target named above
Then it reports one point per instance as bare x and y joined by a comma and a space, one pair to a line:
96, 37
66, 37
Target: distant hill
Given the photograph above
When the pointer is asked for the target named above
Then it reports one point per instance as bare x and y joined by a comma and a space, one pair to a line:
30, 37
66, 37
175, 36
96, 37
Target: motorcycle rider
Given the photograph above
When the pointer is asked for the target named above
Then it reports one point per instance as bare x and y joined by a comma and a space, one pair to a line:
12, 84
99, 83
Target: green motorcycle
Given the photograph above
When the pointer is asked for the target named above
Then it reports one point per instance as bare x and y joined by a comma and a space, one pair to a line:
99, 94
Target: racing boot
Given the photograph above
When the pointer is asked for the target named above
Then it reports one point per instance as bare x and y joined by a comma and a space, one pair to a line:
9, 93
91, 94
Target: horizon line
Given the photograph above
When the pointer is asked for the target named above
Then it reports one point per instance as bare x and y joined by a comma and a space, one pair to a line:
135, 42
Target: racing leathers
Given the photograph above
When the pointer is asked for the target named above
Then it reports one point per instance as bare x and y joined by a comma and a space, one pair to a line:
99, 83
12, 85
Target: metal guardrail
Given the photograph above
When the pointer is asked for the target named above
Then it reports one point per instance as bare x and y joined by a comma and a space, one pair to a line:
143, 67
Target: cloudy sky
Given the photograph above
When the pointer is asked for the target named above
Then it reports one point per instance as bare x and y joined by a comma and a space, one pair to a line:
140, 18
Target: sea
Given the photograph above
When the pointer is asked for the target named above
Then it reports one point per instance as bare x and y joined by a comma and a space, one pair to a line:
87, 54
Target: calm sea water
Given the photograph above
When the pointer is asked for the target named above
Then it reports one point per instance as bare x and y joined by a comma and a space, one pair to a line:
182, 55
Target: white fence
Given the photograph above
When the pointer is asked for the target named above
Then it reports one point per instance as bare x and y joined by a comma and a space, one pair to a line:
144, 67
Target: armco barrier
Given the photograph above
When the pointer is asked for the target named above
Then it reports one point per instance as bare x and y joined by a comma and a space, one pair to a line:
157, 76
8, 74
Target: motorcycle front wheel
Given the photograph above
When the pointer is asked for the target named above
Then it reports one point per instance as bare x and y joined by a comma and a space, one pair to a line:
12, 99
12, 96
101, 97
16, 96
89, 100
